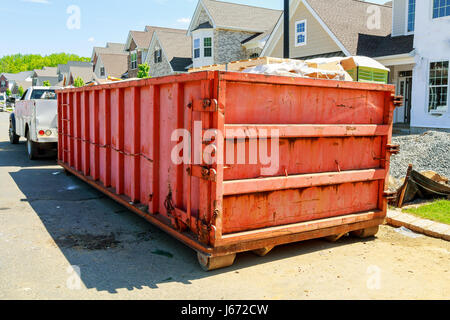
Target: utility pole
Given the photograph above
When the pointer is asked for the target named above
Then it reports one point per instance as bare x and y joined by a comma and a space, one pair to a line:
286, 29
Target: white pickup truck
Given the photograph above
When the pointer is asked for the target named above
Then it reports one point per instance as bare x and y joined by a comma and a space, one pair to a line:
35, 118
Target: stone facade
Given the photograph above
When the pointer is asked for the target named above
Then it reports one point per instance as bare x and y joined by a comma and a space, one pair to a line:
159, 69
251, 53
227, 44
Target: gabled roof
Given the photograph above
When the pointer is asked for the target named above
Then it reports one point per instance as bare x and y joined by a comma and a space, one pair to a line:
344, 20
111, 47
115, 64
378, 46
348, 18
82, 72
176, 45
65, 68
24, 84
234, 16
46, 72
141, 38
21, 76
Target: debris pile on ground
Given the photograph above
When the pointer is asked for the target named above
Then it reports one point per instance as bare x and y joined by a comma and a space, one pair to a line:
427, 151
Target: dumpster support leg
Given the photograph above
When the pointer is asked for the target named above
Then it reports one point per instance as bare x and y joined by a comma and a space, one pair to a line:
212, 263
366, 233
263, 251
335, 237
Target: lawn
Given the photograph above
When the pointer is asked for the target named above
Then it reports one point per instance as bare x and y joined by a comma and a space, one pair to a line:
437, 211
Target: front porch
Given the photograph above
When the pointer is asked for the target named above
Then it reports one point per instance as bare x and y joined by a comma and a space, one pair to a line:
401, 76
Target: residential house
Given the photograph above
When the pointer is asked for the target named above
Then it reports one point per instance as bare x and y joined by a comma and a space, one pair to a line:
110, 65
107, 66
169, 52
137, 47
45, 74
17, 84
4, 83
110, 48
411, 38
222, 32
9, 80
63, 71
85, 73
430, 83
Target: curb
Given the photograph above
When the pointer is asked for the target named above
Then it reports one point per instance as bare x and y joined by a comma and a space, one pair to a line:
419, 225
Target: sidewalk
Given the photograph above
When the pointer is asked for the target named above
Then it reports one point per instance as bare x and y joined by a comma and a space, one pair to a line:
419, 225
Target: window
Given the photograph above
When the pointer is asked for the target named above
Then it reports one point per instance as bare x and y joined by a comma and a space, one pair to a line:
300, 33
411, 15
102, 71
441, 8
254, 55
197, 48
158, 55
3, 83
207, 46
134, 60
43, 94
438, 86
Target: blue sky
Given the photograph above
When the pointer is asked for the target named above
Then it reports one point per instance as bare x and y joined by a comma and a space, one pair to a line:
40, 26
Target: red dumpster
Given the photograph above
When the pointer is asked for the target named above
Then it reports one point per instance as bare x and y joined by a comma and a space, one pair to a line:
233, 162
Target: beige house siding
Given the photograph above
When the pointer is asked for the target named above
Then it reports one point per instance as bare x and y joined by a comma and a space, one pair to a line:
318, 41
399, 17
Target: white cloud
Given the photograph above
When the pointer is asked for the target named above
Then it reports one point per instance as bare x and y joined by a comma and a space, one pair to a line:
184, 20
37, 1
91, 39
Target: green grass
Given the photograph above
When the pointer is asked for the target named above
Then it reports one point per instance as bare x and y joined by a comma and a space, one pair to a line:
437, 211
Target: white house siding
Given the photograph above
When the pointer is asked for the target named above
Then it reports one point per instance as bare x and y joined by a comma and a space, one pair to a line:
399, 113
399, 17
432, 43
202, 60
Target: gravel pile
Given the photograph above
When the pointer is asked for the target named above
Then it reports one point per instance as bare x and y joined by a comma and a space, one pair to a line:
428, 151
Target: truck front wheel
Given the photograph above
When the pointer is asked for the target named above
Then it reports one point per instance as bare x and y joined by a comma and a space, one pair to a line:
13, 137
32, 148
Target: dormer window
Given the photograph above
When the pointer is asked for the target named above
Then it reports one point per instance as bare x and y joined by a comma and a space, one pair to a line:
197, 48
411, 15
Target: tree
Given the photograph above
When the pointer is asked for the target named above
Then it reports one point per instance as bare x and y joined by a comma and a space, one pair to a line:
19, 62
20, 91
78, 82
47, 84
8, 92
143, 71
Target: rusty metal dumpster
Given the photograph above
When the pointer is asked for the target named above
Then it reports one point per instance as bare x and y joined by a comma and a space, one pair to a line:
331, 142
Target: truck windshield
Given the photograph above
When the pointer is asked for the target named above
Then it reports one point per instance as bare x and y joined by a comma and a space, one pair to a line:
43, 94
